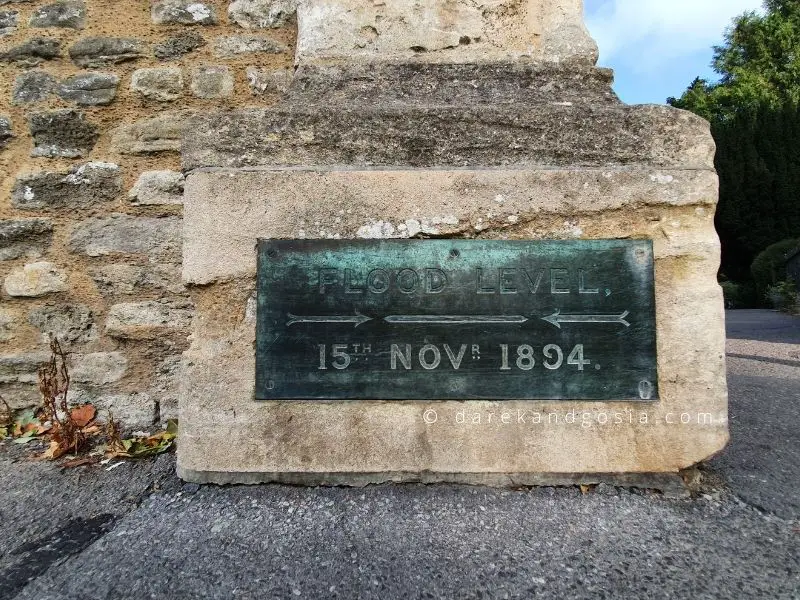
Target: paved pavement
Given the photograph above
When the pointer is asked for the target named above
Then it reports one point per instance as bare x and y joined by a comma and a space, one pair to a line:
137, 532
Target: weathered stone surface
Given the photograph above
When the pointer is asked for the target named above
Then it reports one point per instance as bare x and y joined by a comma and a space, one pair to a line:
21, 395
123, 234
65, 13
127, 280
166, 387
183, 12
175, 47
89, 89
136, 410
262, 13
8, 22
32, 86
62, 133
161, 83
24, 237
389, 441
98, 368
7, 325
21, 367
462, 84
268, 81
233, 46
32, 52
6, 131
72, 324
440, 136
94, 52
162, 133
218, 241
143, 320
458, 31
158, 187
212, 82
36, 279
80, 187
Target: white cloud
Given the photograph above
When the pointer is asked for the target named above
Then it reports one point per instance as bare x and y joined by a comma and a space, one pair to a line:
647, 34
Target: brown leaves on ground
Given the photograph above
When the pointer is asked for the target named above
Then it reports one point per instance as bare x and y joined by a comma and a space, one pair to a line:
142, 446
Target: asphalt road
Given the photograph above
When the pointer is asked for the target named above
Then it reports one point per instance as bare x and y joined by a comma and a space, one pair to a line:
137, 532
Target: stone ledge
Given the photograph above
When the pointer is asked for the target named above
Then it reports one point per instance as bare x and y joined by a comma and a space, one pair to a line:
670, 484
417, 83
226, 210
517, 135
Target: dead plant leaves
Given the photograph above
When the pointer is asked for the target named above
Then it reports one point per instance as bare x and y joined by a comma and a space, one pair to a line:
83, 415
143, 447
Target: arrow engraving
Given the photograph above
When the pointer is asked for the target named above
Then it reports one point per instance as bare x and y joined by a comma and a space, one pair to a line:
557, 319
358, 319
454, 319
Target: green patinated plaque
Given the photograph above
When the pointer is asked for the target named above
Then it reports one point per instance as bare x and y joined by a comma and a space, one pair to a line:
456, 319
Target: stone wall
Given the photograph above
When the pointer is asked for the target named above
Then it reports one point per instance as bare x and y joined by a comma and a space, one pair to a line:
93, 99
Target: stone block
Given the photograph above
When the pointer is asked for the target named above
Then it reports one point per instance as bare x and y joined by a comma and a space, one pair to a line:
95, 52
127, 280
89, 89
145, 320
7, 325
175, 47
183, 12
32, 86
98, 368
36, 279
211, 82
135, 410
162, 133
236, 45
62, 133
24, 238
158, 187
255, 14
157, 238
6, 131
82, 186
71, 324
432, 31
161, 83
8, 22
370, 441
21, 395
269, 81
32, 52
22, 367
70, 14
440, 136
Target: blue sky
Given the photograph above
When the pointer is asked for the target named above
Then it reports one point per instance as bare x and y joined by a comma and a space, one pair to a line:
657, 47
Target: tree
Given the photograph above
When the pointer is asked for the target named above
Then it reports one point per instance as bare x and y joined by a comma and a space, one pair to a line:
754, 110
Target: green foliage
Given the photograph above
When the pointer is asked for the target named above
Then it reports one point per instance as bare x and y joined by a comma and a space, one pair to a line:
769, 267
783, 295
758, 64
754, 110
732, 293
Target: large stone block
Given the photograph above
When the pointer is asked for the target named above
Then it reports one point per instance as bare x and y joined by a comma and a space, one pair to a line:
70, 14
360, 442
162, 133
82, 186
254, 14
94, 52
32, 86
36, 279
62, 133
32, 52
24, 237
183, 12
143, 320
160, 83
430, 30
123, 234
72, 324
89, 89
158, 187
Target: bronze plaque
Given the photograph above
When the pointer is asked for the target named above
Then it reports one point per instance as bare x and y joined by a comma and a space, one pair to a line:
456, 319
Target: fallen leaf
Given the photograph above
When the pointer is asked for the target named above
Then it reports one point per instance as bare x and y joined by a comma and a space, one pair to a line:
83, 415
24, 439
3, 433
54, 451
80, 462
